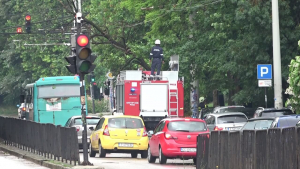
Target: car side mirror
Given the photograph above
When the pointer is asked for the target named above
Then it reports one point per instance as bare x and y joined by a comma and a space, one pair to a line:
91, 128
150, 133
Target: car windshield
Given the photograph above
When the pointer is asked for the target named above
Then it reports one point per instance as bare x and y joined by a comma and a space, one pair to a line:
187, 126
89, 121
257, 125
275, 114
232, 119
131, 123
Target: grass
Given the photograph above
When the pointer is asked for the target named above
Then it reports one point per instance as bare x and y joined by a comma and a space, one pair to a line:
11, 111
60, 163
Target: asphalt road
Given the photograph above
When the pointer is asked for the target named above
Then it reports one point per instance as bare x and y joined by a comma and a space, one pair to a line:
11, 162
124, 161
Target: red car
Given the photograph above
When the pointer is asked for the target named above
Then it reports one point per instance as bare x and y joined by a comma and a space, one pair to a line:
175, 138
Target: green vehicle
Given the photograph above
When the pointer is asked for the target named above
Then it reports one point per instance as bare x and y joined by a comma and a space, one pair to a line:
53, 99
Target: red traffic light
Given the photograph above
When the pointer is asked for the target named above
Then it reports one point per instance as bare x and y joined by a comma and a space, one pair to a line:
82, 40
19, 30
27, 17
94, 83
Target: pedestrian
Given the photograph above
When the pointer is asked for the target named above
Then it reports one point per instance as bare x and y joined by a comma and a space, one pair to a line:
157, 57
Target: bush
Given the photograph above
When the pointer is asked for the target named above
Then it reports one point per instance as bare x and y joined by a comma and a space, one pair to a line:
100, 106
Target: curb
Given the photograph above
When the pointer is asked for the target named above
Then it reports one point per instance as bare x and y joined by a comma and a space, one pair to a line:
40, 160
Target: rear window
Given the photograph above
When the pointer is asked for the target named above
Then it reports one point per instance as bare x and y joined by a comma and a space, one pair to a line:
258, 125
232, 109
89, 121
187, 126
130, 123
232, 119
287, 122
275, 114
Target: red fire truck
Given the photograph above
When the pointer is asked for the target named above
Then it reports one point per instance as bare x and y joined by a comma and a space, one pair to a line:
138, 94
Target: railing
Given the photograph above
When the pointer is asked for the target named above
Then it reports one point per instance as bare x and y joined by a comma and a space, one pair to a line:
46, 140
250, 149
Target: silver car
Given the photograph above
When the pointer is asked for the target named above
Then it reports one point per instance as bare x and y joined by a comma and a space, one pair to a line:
226, 121
76, 121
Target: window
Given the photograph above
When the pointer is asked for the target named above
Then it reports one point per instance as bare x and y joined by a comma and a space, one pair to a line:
258, 125
275, 114
100, 124
89, 121
67, 123
187, 126
130, 123
210, 119
159, 127
53, 91
232, 119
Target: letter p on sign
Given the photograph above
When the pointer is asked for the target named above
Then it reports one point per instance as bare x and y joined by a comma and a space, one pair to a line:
264, 71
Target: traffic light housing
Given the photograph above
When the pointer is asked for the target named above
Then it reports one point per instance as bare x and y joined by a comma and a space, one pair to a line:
72, 61
84, 57
27, 23
92, 78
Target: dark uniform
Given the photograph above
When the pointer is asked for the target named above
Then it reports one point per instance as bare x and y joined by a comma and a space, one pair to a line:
158, 58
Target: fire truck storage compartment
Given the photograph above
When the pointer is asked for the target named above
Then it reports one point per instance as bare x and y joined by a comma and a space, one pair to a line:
154, 98
153, 103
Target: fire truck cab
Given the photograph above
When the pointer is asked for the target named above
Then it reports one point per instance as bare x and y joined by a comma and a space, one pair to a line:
139, 94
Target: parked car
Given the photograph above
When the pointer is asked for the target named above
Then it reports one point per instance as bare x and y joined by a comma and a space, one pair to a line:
226, 121
75, 121
262, 123
119, 134
272, 112
175, 138
259, 110
224, 109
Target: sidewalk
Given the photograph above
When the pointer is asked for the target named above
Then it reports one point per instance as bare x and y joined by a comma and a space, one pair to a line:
50, 163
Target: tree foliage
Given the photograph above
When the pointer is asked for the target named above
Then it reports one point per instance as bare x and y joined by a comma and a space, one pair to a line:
221, 41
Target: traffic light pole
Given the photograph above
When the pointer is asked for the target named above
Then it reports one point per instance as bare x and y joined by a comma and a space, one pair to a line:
82, 98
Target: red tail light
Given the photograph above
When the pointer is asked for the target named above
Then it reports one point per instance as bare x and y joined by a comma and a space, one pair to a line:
23, 108
207, 135
145, 133
218, 128
77, 128
169, 136
106, 131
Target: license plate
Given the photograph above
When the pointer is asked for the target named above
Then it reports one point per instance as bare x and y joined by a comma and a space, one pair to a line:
125, 145
188, 149
233, 128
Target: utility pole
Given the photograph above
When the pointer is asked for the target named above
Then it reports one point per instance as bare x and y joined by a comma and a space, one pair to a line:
276, 56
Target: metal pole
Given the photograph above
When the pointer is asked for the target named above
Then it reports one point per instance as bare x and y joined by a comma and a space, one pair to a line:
276, 56
82, 98
266, 99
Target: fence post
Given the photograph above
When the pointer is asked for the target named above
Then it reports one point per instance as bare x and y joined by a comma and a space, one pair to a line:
274, 149
261, 145
202, 151
289, 148
248, 143
234, 150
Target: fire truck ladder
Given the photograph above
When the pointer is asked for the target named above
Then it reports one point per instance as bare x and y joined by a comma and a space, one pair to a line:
173, 94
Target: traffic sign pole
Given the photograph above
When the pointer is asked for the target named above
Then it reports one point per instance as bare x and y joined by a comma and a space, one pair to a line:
276, 56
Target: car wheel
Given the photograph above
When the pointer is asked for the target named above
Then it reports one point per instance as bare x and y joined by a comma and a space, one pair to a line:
102, 152
144, 154
195, 161
91, 152
133, 155
151, 159
162, 157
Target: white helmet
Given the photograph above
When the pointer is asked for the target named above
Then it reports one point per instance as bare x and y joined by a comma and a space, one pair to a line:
157, 42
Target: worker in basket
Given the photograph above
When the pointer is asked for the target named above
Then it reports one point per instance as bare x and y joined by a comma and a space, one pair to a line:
157, 57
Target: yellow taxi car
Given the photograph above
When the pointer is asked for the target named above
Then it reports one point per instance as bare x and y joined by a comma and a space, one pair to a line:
119, 134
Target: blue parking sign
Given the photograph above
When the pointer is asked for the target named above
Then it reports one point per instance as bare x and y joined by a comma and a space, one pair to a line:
264, 71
